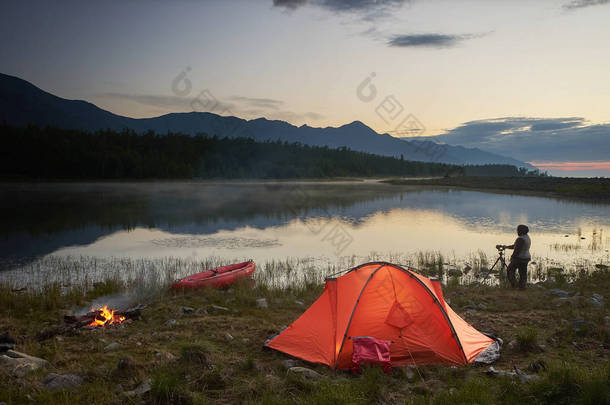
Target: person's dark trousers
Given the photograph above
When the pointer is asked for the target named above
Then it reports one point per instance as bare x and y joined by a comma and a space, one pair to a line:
521, 265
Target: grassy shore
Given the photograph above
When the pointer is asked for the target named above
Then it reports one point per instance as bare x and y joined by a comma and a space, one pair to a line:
214, 355
581, 188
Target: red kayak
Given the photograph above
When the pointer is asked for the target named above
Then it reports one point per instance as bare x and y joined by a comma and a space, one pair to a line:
218, 277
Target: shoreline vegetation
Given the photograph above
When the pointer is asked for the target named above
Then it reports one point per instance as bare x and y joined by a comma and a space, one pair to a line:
205, 347
580, 188
42, 154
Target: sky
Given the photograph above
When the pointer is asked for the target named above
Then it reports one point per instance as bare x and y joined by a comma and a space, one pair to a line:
501, 75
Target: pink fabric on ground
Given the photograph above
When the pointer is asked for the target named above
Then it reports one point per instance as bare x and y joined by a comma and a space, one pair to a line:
371, 350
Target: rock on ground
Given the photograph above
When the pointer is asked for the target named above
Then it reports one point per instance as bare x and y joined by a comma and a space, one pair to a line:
517, 373
114, 346
217, 309
262, 303
19, 364
56, 382
141, 389
165, 356
188, 310
305, 372
558, 293
597, 300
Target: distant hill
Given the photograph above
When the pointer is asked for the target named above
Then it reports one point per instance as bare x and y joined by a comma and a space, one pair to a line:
22, 103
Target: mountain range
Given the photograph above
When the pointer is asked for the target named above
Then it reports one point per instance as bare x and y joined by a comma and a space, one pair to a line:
22, 104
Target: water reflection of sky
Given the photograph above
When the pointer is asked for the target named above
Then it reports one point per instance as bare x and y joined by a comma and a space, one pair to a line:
457, 223
373, 218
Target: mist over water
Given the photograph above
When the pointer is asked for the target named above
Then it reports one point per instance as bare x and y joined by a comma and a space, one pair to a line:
267, 221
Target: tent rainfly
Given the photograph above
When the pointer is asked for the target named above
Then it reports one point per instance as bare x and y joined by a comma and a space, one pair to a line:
384, 301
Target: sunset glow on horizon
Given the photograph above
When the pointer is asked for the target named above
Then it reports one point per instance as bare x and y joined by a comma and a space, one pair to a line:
558, 167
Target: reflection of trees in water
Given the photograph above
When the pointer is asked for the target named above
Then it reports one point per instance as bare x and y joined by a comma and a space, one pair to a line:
52, 208
39, 219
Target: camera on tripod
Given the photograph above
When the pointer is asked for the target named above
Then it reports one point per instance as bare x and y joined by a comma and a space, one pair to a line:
500, 247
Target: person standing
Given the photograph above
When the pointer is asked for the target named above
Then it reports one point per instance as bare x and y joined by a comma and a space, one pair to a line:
520, 257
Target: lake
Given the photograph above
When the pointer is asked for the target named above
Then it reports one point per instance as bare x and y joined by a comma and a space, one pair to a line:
324, 223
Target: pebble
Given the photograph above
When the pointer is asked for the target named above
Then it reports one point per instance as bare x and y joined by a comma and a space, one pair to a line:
517, 373
170, 323
262, 303
228, 337
188, 310
288, 364
305, 372
597, 300
299, 303
559, 293
165, 356
409, 373
217, 308
114, 346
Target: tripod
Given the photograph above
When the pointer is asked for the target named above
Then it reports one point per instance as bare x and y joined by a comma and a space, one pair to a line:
500, 260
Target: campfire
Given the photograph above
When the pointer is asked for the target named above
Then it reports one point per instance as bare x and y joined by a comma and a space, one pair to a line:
102, 317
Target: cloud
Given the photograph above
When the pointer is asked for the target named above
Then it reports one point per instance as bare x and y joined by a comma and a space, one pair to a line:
534, 139
259, 102
370, 9
429, 40
205, 101
289, 4
360, 5
293, 117
576, 4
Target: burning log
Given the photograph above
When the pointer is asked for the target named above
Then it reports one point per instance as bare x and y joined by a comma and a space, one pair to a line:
104, 316
100, 317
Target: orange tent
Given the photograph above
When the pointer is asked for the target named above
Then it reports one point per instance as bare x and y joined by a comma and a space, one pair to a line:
384, 301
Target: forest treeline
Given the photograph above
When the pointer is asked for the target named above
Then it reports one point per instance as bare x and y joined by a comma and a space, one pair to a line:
53, 153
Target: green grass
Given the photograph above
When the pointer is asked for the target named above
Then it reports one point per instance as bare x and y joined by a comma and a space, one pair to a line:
527, 339
207, 368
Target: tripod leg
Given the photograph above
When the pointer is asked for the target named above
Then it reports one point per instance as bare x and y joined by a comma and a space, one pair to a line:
492, 267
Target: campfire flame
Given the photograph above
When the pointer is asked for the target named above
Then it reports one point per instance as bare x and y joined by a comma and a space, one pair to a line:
105, 317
